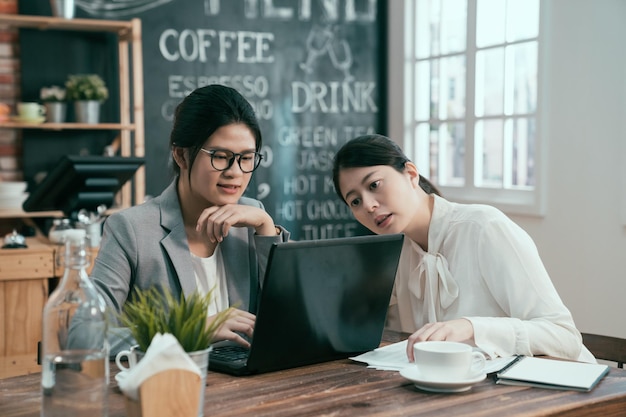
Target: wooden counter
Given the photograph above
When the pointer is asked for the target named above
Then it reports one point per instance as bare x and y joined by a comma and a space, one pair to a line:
24, 275
26, 278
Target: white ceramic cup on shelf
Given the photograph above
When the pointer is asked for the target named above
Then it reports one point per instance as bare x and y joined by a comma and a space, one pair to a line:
30, 111
447, 361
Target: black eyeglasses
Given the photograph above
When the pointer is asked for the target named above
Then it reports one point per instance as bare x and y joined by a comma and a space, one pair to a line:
222, 159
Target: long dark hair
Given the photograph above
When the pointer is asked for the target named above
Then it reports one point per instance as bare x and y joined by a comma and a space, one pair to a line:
204, 111
372, 150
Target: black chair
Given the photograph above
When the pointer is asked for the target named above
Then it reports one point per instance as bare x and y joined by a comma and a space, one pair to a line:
607, 348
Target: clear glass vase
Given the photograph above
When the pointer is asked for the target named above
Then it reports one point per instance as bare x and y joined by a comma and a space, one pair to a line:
75, 350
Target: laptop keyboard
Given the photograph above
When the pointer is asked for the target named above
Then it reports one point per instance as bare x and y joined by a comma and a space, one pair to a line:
230, 353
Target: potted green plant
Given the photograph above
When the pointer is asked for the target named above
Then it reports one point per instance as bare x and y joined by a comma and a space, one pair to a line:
53, 98
87, 91
152, 311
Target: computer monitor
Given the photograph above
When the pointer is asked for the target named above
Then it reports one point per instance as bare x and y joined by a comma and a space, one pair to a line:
82, 182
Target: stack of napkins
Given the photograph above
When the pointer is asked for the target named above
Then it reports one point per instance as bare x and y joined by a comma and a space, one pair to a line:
164, 353
393, 358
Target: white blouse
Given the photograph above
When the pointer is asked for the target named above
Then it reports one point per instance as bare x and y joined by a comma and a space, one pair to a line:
209, 274
482, 266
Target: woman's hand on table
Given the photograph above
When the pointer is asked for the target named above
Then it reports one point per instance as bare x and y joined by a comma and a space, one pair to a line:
459, 330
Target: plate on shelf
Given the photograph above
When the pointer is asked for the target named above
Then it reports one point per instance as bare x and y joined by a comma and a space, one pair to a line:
412, 374
13, 202
36, 120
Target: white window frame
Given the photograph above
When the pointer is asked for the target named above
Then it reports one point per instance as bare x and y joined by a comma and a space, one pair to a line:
401, 121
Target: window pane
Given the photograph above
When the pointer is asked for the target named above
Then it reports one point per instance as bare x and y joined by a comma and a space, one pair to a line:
490, 22
429, 134
453, 26
422, 29
500, 21
448, 153
523, 148
421, 155
422, 86
488, 161
521, 70
435, 96
440, 27
490, 82
434, 89
445, 80
522, 19
452, 87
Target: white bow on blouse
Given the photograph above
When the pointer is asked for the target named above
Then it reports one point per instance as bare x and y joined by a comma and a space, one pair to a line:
432, 283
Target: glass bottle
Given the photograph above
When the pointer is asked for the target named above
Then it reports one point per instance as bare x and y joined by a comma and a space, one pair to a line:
75, 351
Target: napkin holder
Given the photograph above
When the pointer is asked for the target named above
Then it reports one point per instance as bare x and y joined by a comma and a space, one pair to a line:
170, 393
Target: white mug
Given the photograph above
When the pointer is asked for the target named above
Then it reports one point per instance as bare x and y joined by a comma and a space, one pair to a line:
447, 361
131, 356
30, 111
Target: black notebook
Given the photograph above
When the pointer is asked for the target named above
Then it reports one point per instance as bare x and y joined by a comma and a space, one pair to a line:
552, 373
321, 300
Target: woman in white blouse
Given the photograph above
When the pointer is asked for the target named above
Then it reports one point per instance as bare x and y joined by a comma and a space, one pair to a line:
467, 272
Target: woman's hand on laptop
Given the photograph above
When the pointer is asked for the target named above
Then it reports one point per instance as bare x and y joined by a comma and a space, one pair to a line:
240, 322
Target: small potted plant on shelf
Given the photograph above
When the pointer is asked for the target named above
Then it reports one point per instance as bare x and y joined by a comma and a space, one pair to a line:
53, 98
87, 91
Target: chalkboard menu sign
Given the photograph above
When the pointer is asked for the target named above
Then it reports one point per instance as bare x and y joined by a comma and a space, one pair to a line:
314, 70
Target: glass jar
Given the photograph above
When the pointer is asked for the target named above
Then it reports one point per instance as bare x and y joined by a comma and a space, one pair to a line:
75, 350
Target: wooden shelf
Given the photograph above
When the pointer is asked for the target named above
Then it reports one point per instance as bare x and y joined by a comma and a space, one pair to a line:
21, 214
131, 117
66, 126
24, 273
123, 28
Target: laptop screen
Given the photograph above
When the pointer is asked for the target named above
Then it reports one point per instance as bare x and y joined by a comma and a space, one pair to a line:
323, 299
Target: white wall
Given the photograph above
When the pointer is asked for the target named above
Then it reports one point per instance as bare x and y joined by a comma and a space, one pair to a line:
582, 237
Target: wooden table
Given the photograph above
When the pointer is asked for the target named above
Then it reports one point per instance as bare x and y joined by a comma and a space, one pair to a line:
346, 388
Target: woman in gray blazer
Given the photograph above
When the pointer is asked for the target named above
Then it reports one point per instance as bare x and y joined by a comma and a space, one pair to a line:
200, 233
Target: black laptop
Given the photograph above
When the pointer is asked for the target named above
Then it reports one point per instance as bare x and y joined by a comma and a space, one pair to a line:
321, 300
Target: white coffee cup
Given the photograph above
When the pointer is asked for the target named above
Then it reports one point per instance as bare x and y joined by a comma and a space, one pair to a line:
131, 356
30, 111
447, 361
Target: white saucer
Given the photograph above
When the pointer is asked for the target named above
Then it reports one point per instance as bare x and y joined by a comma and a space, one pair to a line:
412, 374
36, 120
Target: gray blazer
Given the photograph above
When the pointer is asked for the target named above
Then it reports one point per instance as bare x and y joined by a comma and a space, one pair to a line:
146, 245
